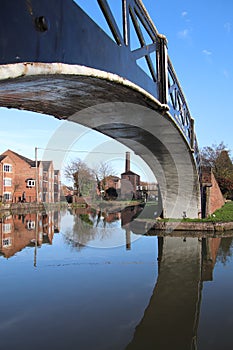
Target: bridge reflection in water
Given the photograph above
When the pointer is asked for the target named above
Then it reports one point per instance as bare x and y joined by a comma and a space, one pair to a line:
170, 320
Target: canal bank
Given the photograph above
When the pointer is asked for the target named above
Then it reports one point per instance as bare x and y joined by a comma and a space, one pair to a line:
220, 221
15, 208
142, 216
183, 228
211, 226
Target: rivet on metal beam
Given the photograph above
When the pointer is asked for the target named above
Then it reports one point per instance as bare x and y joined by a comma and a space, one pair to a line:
42, 24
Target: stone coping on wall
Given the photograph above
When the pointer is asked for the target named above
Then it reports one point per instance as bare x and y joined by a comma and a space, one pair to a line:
28, 206
169, 226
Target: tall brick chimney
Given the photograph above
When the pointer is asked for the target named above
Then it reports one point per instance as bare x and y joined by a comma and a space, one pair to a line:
127, 162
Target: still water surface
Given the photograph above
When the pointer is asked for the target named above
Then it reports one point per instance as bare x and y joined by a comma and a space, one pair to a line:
88, 281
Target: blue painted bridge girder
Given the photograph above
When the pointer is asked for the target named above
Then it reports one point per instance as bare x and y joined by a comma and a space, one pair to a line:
56, 60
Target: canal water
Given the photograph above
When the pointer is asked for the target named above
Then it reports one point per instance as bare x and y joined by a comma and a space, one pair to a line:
91, 279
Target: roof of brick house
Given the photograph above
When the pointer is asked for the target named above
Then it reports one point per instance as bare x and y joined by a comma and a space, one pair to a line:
2, 157
31, 162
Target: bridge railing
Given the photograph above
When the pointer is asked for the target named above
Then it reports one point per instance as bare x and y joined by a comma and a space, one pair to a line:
178, 108
168, 90
134, 18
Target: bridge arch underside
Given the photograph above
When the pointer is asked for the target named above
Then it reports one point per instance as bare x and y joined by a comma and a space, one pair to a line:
122, 112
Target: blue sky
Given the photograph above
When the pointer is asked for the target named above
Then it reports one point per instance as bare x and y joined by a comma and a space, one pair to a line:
200, 38
200, 45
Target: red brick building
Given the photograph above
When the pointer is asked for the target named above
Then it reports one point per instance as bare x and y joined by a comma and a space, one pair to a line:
25, 180
46, 189
212, 198
130, 182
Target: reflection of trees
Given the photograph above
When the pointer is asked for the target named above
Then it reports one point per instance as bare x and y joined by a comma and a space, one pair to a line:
82, 231
98, 224
89, 226
225, 250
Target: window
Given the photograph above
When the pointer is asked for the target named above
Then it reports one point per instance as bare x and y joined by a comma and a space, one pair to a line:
31, 183
7, 181
7, 168
7, 196
6, 242
31, 225
6, 228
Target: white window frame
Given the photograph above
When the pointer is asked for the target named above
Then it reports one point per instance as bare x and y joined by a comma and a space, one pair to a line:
31, 225
7, 168
7, 196
6, 242
7, 181
6, 228
31, 183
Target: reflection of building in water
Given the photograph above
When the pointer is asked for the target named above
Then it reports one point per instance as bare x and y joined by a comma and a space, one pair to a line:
210, 248
128, 214
171, 318
20, 231
57, 221
87, 220
111, 216
128, 239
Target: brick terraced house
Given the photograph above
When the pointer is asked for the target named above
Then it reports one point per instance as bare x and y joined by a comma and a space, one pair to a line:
24, 180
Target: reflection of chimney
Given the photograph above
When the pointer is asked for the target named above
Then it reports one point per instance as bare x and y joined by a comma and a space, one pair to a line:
127, 162
128, 239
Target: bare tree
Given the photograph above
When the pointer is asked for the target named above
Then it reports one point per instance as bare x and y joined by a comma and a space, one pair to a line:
209, 154
81, 176
102, 172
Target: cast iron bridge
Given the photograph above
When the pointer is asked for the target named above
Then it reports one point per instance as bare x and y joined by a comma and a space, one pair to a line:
55, 59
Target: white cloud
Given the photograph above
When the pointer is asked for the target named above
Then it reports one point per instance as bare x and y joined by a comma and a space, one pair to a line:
227, 27
206, 52
184, 13
183, 34
226, 73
